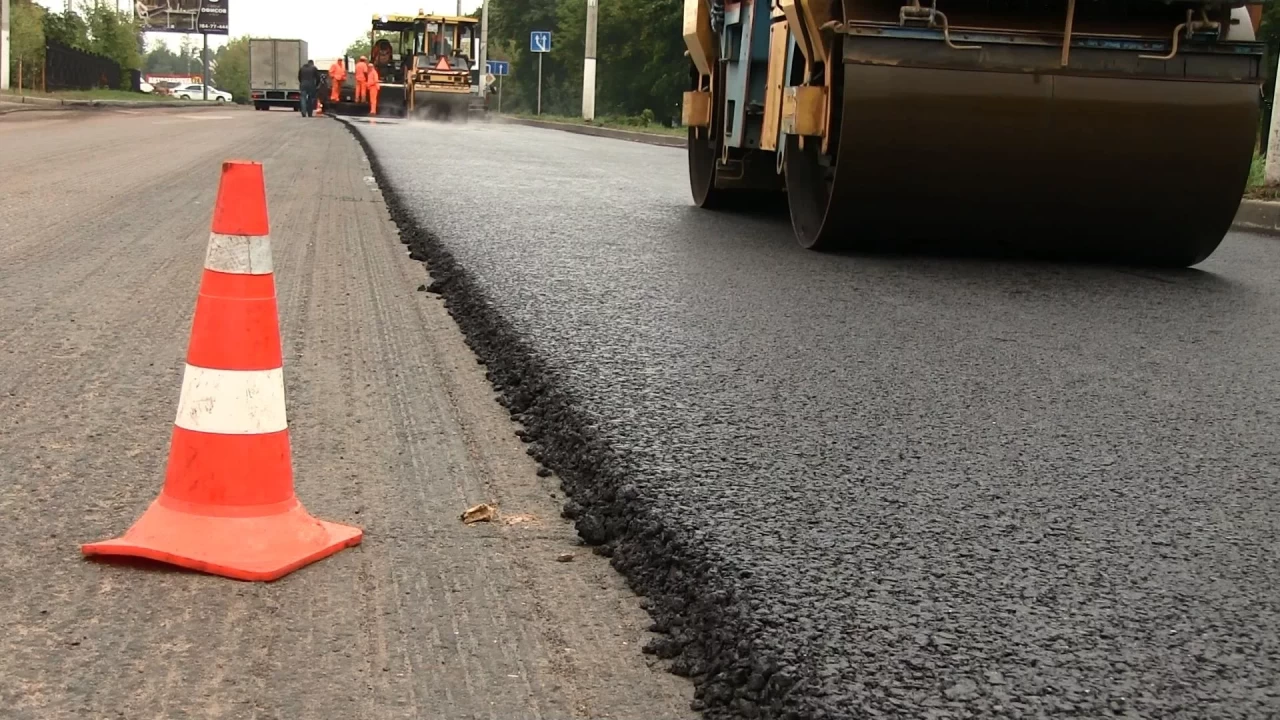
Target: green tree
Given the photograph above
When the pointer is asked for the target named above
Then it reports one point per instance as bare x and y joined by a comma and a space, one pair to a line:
232, 70
26, 42
160, 59
187, 52
640, 63
113, 35
67, 28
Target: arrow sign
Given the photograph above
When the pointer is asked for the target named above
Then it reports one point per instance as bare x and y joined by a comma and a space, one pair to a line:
540, 41
499, 68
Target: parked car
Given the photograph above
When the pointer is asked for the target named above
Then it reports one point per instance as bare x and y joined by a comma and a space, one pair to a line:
196, 92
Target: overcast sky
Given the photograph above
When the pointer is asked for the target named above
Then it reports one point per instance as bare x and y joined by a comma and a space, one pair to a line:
328, 26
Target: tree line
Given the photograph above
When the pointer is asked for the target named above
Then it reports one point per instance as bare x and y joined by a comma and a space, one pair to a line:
640, 67
94, 28
640, 63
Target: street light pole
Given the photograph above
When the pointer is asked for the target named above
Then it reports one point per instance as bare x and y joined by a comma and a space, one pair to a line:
589, 64
204, 80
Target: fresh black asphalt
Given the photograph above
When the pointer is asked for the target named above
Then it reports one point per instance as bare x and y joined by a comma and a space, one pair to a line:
874, 486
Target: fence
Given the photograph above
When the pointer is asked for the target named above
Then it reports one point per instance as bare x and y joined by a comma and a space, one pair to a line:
66, 68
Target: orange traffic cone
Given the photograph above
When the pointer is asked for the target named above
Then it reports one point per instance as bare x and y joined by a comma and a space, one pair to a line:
228, 506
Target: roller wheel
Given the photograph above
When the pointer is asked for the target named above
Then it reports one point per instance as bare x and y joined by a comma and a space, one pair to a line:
705, 146
809, 188
811, 177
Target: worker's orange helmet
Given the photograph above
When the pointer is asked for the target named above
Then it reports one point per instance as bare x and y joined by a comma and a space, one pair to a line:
363, 57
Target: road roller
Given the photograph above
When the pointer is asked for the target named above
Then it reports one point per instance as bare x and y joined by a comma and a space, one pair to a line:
1118, 129
425, 68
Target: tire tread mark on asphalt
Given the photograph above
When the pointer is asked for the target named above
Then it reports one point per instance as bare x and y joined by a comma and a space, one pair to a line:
466, 490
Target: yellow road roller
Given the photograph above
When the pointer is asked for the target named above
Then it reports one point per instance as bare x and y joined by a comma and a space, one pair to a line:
426, 67
1118, 128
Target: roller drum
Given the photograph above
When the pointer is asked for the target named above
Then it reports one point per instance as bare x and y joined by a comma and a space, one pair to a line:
434, 105
1149, 170
391, 101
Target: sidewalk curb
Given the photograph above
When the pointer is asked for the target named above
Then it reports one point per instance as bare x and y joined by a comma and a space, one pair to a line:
641, 137
1258, 216
43, 103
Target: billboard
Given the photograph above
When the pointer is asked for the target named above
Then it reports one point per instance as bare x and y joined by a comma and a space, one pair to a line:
183, 16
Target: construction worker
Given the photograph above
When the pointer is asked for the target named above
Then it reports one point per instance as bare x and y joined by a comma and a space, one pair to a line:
362, 79
371, 80
337, 73
308, 79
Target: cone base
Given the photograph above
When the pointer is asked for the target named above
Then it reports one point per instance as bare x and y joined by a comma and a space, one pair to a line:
260, 548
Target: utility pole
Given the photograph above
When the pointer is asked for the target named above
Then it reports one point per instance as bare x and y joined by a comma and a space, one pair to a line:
589, 64
484, 47
4, 44
459, 13
1271, 171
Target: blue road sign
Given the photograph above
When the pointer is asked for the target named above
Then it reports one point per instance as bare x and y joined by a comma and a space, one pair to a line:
540, 41
498, 68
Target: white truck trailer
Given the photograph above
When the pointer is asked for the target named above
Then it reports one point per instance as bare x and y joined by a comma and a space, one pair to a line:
273, 71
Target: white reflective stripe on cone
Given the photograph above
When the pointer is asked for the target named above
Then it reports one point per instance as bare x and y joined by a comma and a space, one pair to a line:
239, 254
232, 402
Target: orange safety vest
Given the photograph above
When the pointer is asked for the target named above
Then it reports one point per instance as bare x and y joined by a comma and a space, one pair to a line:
337, 71
371, 78
362, 71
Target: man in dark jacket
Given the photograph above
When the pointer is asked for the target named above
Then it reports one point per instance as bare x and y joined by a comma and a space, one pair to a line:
308, 81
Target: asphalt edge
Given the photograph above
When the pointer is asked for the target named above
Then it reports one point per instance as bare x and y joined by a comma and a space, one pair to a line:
630, 135
702, 629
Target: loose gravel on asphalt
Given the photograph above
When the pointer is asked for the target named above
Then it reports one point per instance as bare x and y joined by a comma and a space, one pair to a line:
103, 229
910, 486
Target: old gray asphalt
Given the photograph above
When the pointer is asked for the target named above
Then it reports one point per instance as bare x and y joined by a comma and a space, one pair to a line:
103, 227
915, 486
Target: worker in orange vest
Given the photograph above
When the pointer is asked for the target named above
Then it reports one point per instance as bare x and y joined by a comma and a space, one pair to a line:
337, 73
371, 80
362, 78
